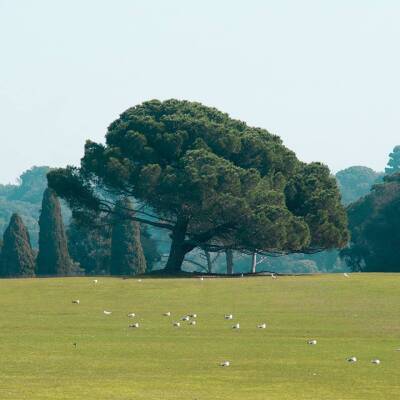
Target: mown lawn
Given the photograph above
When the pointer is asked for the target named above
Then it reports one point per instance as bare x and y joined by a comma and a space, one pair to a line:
357, 316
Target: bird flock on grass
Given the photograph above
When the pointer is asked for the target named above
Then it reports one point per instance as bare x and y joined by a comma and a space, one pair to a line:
191, 319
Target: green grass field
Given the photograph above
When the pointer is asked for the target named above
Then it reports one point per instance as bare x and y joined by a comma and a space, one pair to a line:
357, 316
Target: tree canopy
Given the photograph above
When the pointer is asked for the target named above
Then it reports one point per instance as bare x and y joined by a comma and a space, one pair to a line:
355, 182
214, 182
374, 223
393, 164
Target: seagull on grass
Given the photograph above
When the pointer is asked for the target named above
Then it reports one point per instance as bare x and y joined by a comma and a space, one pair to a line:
225, 364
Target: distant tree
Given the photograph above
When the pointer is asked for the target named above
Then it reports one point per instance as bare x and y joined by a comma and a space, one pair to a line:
212, 181
90, 246
374, 223
53, 257
25, 198
355, 182
127, 256
17, 257
32, 184
149, 245
393, 164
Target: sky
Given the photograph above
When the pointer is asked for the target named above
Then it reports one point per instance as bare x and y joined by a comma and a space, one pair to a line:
323, 75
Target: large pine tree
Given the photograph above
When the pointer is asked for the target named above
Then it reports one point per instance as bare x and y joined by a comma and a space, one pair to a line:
17, 257
127, 256
53, 257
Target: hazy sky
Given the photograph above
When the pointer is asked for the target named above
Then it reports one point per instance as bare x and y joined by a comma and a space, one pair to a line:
324, 75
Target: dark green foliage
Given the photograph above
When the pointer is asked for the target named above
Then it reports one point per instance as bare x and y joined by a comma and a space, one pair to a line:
127, 256
25, 199
17, 257
393, 165
374, 223
212, 181
53, 257
90, 246
355, 182
313, 195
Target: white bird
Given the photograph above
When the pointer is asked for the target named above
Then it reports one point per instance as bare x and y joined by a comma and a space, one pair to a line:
185, 318
95, 281
273, 276
192, 322
352, 359
346, 275
225, 364
132, 315
193, 315
236, 326
262, 326
202, 279
312, 342
177, 324
228, 316
139, 280
75, 301
107, 312
242, 275
135, 325
376, 361
167, 314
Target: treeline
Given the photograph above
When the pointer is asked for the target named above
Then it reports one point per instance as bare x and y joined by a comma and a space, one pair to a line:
24, 198
183, 180
116, 246
374, 223
89, 246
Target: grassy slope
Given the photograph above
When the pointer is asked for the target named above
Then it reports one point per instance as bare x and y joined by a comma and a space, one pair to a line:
357, 316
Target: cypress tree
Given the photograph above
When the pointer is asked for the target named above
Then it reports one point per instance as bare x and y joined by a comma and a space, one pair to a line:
17, 257
53, 257
127, 256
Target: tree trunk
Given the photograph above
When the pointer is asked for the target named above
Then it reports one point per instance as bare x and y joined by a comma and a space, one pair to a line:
178, 248
209, 263
254, 263
229, 262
